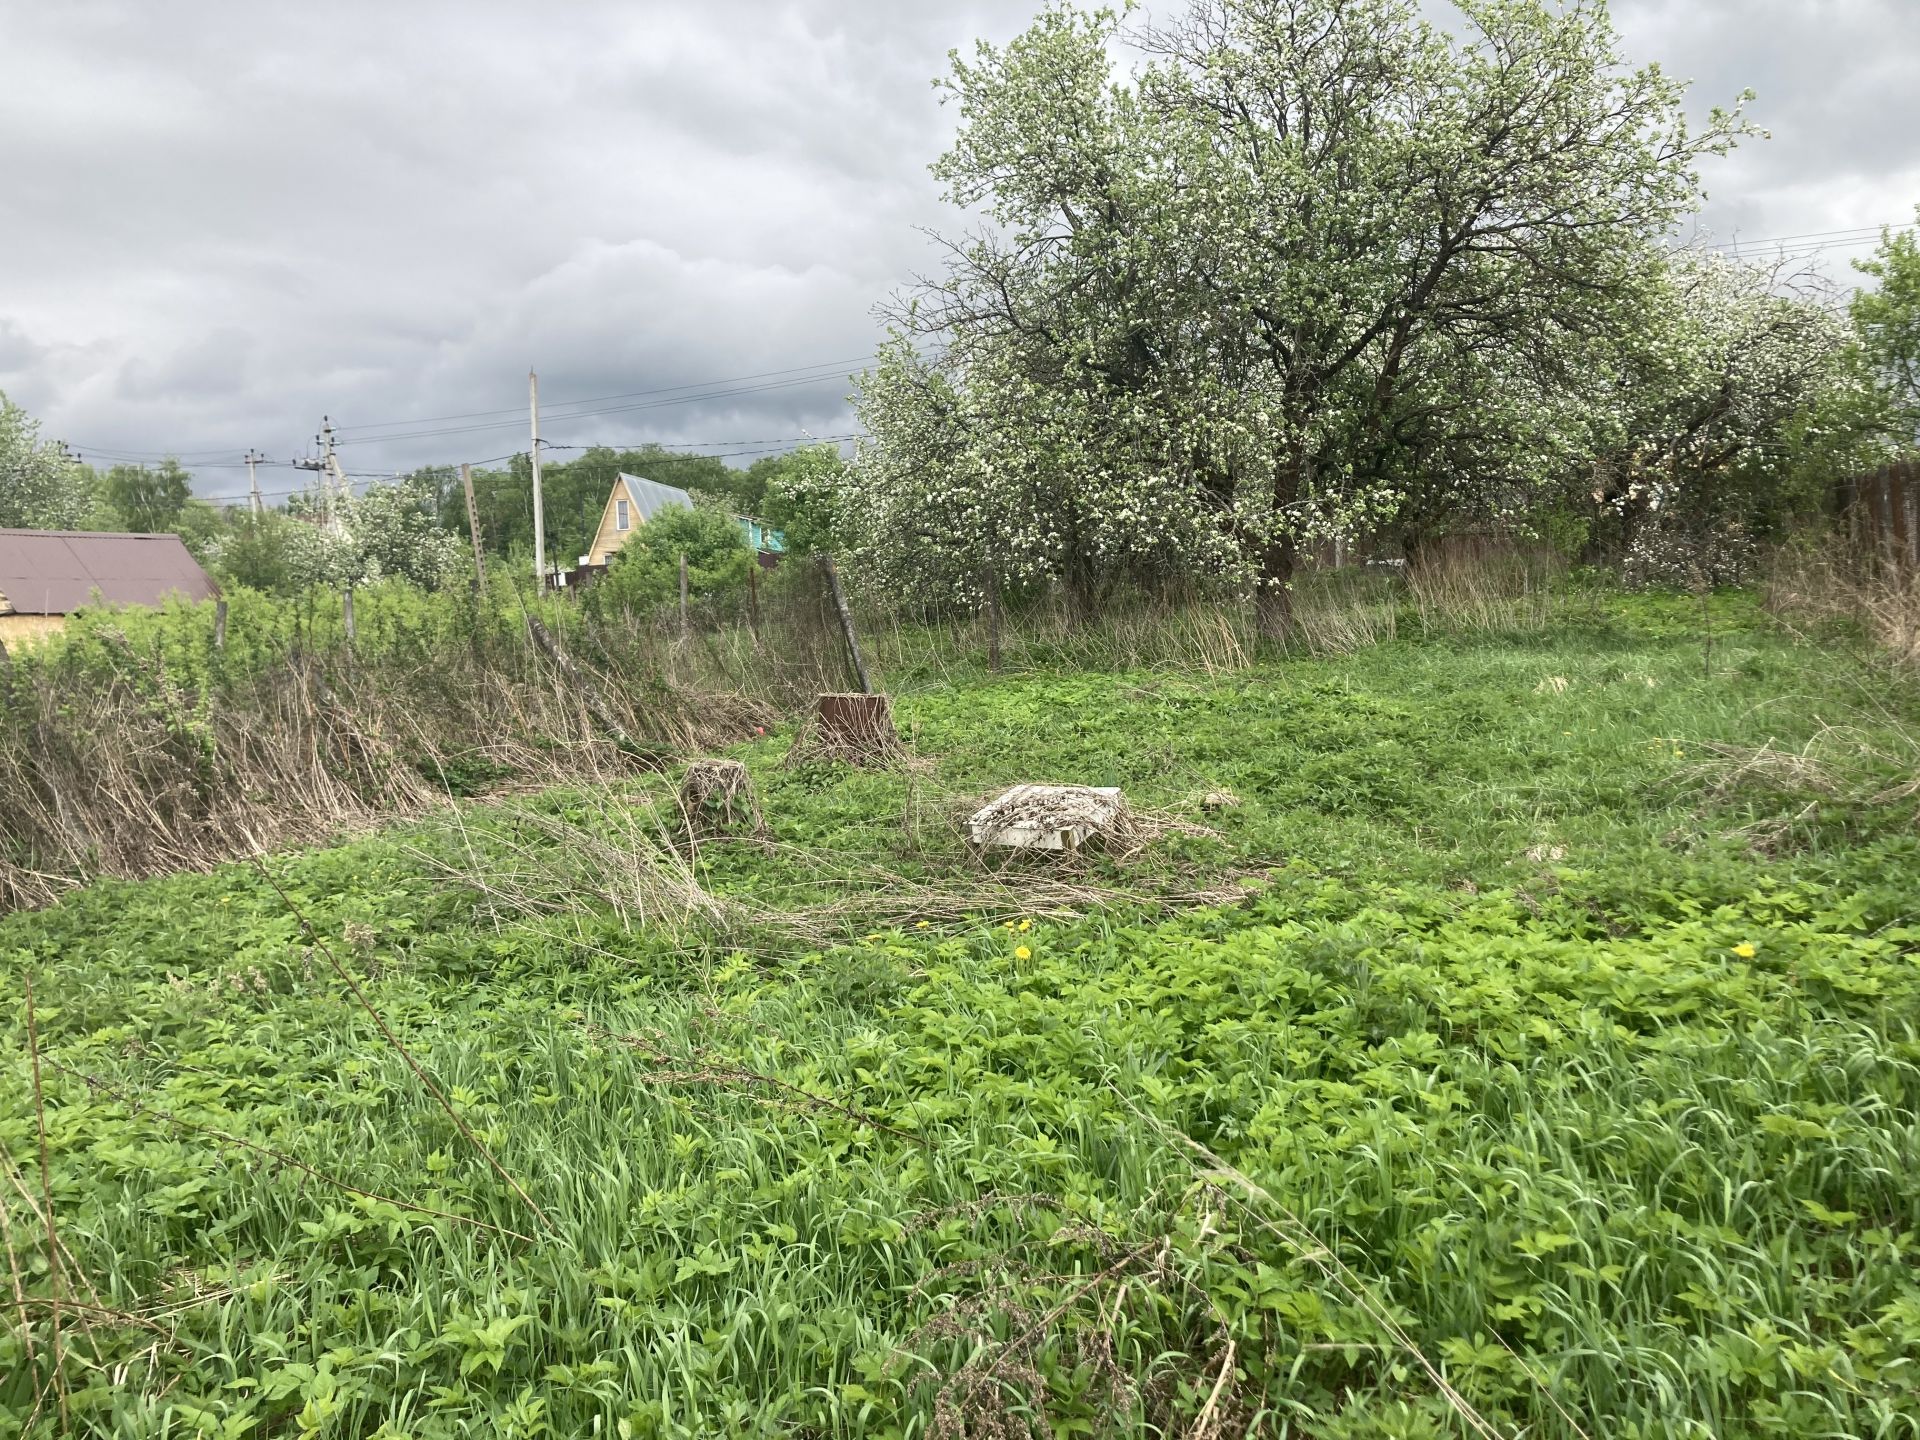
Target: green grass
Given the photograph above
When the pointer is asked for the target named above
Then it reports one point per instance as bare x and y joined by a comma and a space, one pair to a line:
1535, 1056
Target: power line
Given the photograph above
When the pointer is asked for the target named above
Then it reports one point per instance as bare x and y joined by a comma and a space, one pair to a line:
1868, 231
513, 424
365, 477
207, 457
599, 399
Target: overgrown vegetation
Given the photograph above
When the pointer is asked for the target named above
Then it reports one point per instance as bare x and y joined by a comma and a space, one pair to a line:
1523, 1052
131, 745
1500, 1016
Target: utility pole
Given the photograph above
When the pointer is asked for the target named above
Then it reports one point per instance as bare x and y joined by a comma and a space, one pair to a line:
331, 475
253, 481
539, 512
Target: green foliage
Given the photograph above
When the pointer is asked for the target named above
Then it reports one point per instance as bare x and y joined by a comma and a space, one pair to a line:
256, 551
645, 572
40, 488
1887, 317
801, 496
1736, 414
387, 530
148, 499
1592, 1071
576, 493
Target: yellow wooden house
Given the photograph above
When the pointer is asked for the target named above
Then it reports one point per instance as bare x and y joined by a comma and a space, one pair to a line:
630, 504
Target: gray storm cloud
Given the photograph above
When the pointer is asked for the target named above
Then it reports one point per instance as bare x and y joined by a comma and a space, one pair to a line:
224, 220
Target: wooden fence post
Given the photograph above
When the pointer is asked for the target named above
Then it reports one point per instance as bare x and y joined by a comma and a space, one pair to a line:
683, 595
753, 598
993, 618
846, 622
219, 625
346, 611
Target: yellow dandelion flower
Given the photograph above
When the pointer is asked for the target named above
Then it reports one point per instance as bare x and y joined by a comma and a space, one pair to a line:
1022, 953
1744, 950
921, 924
1026, 924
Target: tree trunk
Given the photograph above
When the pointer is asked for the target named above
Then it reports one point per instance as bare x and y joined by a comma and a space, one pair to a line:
1280, 555
1273, 601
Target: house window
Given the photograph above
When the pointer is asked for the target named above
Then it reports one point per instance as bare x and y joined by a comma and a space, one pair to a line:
620, 520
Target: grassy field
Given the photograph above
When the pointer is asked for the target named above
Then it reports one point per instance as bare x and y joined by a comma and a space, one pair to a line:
1534, 1049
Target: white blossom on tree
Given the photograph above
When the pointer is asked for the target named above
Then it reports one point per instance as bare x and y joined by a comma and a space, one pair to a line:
391, 529
1305, 265
1735, 368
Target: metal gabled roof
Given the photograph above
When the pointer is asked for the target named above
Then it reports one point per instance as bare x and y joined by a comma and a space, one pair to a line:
55, 572
650, 497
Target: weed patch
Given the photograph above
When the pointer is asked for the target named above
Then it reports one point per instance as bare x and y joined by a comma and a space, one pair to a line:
1472, 1074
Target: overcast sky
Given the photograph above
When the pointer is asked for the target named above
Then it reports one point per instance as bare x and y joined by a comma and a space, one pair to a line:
224, 220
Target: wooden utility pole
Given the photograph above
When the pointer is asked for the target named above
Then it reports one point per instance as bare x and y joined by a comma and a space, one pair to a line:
473, 528
253, 482
539, 511
846, 622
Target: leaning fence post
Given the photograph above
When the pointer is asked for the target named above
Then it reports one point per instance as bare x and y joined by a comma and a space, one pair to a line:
993, 618
753, 598
219, 625
846, 622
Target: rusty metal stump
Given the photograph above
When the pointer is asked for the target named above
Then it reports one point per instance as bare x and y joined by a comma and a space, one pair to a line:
856, 729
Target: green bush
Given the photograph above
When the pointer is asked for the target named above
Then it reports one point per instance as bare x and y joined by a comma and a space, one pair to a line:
645, 572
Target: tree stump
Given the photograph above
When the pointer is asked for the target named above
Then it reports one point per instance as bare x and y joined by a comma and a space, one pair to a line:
717, 796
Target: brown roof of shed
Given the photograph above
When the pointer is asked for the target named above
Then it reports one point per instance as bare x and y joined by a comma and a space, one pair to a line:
54, 572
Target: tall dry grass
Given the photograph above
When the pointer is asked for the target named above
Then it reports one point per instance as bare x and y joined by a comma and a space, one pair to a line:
1479, 583
1830, 581
120, 760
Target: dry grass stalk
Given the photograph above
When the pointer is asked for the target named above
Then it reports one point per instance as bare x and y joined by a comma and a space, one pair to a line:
853, 730
998, 1392
1339, 611
620, 856
1299, 1237
1484, 583
116, 769
1838, 762
1831, 582
54, 1279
